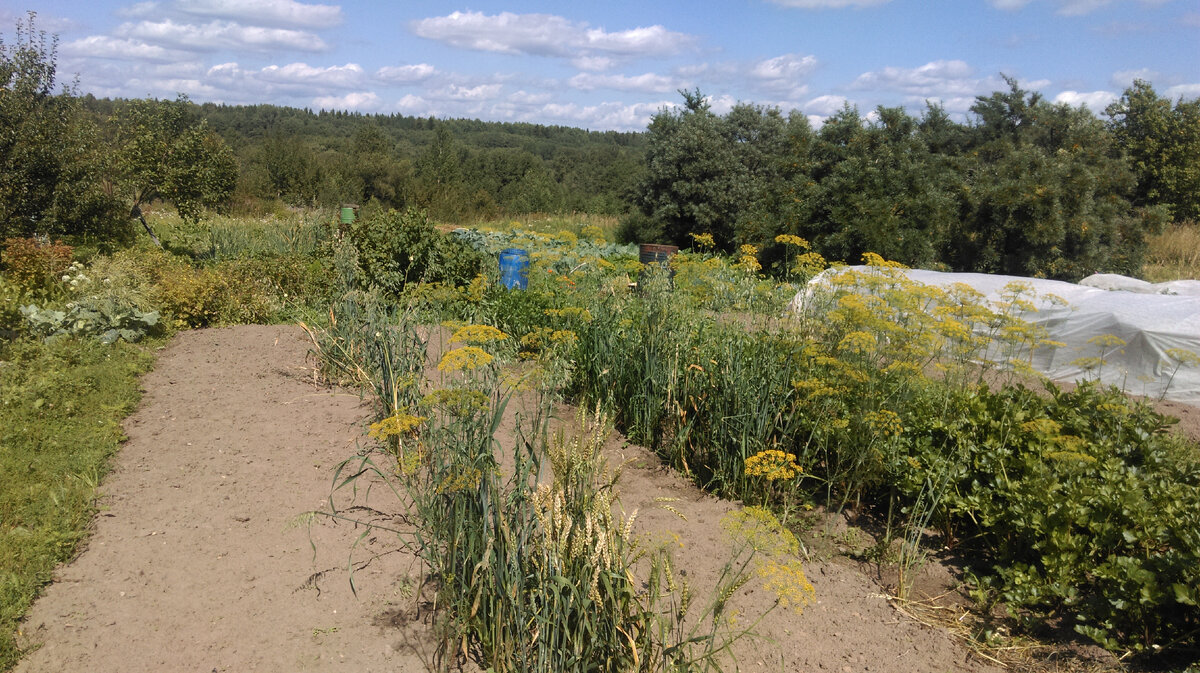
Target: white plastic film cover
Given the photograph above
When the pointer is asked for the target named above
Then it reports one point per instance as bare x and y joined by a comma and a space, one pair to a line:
1150, 323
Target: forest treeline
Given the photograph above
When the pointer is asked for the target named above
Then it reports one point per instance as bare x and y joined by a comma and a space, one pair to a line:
457, 169
1022, 186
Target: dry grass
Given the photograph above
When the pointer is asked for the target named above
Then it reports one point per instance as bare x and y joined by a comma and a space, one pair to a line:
1174, 254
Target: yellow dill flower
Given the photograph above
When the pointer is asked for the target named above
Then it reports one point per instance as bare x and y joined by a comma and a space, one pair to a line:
857, 342
1184, 357
395, 425
884, 422
704, 241
570, 313
1042, 426
457, 401
760, 530
463, 481
772, 465
810, 264
786, 580
873, 259
477, 334
564, 337
464, 359
789, 239
748, 259
840, 423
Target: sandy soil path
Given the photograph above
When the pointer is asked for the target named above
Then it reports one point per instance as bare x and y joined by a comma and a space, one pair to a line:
195, 565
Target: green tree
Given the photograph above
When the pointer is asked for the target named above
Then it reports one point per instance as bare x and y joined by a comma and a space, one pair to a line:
1163, 144
161, 152
703, 170
1045, 193
49, 151
879, 189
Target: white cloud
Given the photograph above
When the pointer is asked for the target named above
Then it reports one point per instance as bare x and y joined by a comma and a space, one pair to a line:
825, 105
1124, 78
1096, 101
405, 74
936, 78
829, 4
218, 35
548, 35
366, 101
1067, 7
265, 12
607, 115
338, 76
594, 63
414, 105
102, 46
782, 74
137, 10
474, 93
648, 82
1187, 91
523, 97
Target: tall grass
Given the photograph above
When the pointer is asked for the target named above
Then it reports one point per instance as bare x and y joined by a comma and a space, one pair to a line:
1173, 254
60, 411
535, 568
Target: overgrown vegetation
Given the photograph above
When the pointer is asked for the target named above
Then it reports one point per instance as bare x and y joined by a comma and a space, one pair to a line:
61, 407
1025, 187
1071, 508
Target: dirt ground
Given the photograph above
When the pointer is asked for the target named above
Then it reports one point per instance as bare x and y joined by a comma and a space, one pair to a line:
198, 561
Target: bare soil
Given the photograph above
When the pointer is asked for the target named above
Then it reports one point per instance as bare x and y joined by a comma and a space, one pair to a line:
198, 561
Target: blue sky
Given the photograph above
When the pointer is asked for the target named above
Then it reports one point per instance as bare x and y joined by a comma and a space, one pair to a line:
612, 64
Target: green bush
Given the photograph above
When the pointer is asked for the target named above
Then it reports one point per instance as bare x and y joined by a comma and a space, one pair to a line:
397, 248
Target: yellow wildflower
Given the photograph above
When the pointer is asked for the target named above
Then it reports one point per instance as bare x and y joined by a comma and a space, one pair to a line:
457, 401
477, 334
772, 465
464, 359
460, 482
789, 239
760, 530
704, 241
786, 580
395, 425
884, 422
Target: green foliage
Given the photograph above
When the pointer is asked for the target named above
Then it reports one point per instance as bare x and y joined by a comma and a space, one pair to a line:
51, 160
161, 153
61, 405
396, 249
101, 318
1029, 188
1163, 144
34, 266
515, 553
1078, 502
705, 172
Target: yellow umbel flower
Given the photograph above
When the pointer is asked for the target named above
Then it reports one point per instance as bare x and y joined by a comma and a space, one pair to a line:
704, 241
464, 359
477, 334
772, 465
748, 259
884, 422
395, 425
786, 580
789, 239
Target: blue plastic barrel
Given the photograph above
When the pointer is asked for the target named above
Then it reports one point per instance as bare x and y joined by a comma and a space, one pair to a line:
514, 268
